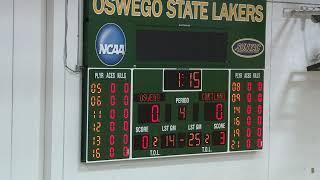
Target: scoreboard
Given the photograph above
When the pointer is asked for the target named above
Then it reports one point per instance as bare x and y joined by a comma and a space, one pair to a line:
172, 78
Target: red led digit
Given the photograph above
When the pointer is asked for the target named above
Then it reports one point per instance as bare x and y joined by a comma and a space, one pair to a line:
97, 127
194, 81
182, 113
126, 100
248, 143
125, 151
180, 79
112, 114
260, 97
259, 143
191, 139
112, 126
99, 114
259, 111
145, 142
249, 121
249, 109
170, 140
259, 132
248, 134
111, 152
219, 112
112, 100
155, 113
260, 86
98, 155
260, 120
155, 141
99, 88
236, 132
207, 139
236, 110
125, 125
236, 86
198, 139
111, 140
113, 88
191, 80
94, 114
93, 88
126, 88
249, 97
222, 138
235, 144
236, 97
125, 113
249, 86
236, 121
95, 101
125, 139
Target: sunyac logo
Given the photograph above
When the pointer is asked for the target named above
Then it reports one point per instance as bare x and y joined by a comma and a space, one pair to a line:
110, 44
247, 48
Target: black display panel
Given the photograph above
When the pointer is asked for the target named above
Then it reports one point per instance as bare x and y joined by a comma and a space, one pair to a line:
177, 46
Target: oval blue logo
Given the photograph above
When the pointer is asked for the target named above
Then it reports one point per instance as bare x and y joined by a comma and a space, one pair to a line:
110, 44
247, 48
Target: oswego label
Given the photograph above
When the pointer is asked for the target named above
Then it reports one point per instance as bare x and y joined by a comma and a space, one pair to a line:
247, 48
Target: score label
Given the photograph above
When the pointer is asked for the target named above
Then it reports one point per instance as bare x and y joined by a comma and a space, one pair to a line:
108, 118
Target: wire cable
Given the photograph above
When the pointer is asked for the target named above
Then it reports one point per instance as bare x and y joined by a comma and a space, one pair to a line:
77, 68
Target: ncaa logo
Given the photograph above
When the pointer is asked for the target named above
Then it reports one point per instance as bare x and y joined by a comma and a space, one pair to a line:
110, 44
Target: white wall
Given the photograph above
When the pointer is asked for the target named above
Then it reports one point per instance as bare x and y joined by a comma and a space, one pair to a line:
28, 89
295, 95
22, 89
6, 52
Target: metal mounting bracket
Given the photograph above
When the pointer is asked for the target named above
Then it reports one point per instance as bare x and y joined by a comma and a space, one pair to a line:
304, 12
316, 65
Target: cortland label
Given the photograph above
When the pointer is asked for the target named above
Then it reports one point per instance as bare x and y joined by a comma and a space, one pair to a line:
110, 44
247, 48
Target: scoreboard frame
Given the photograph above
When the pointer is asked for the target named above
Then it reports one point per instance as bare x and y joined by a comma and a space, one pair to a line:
90, 64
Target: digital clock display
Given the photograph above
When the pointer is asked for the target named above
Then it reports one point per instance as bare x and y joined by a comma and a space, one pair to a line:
182, 80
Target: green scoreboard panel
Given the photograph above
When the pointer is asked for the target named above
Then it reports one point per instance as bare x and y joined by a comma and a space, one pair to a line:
172, 78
